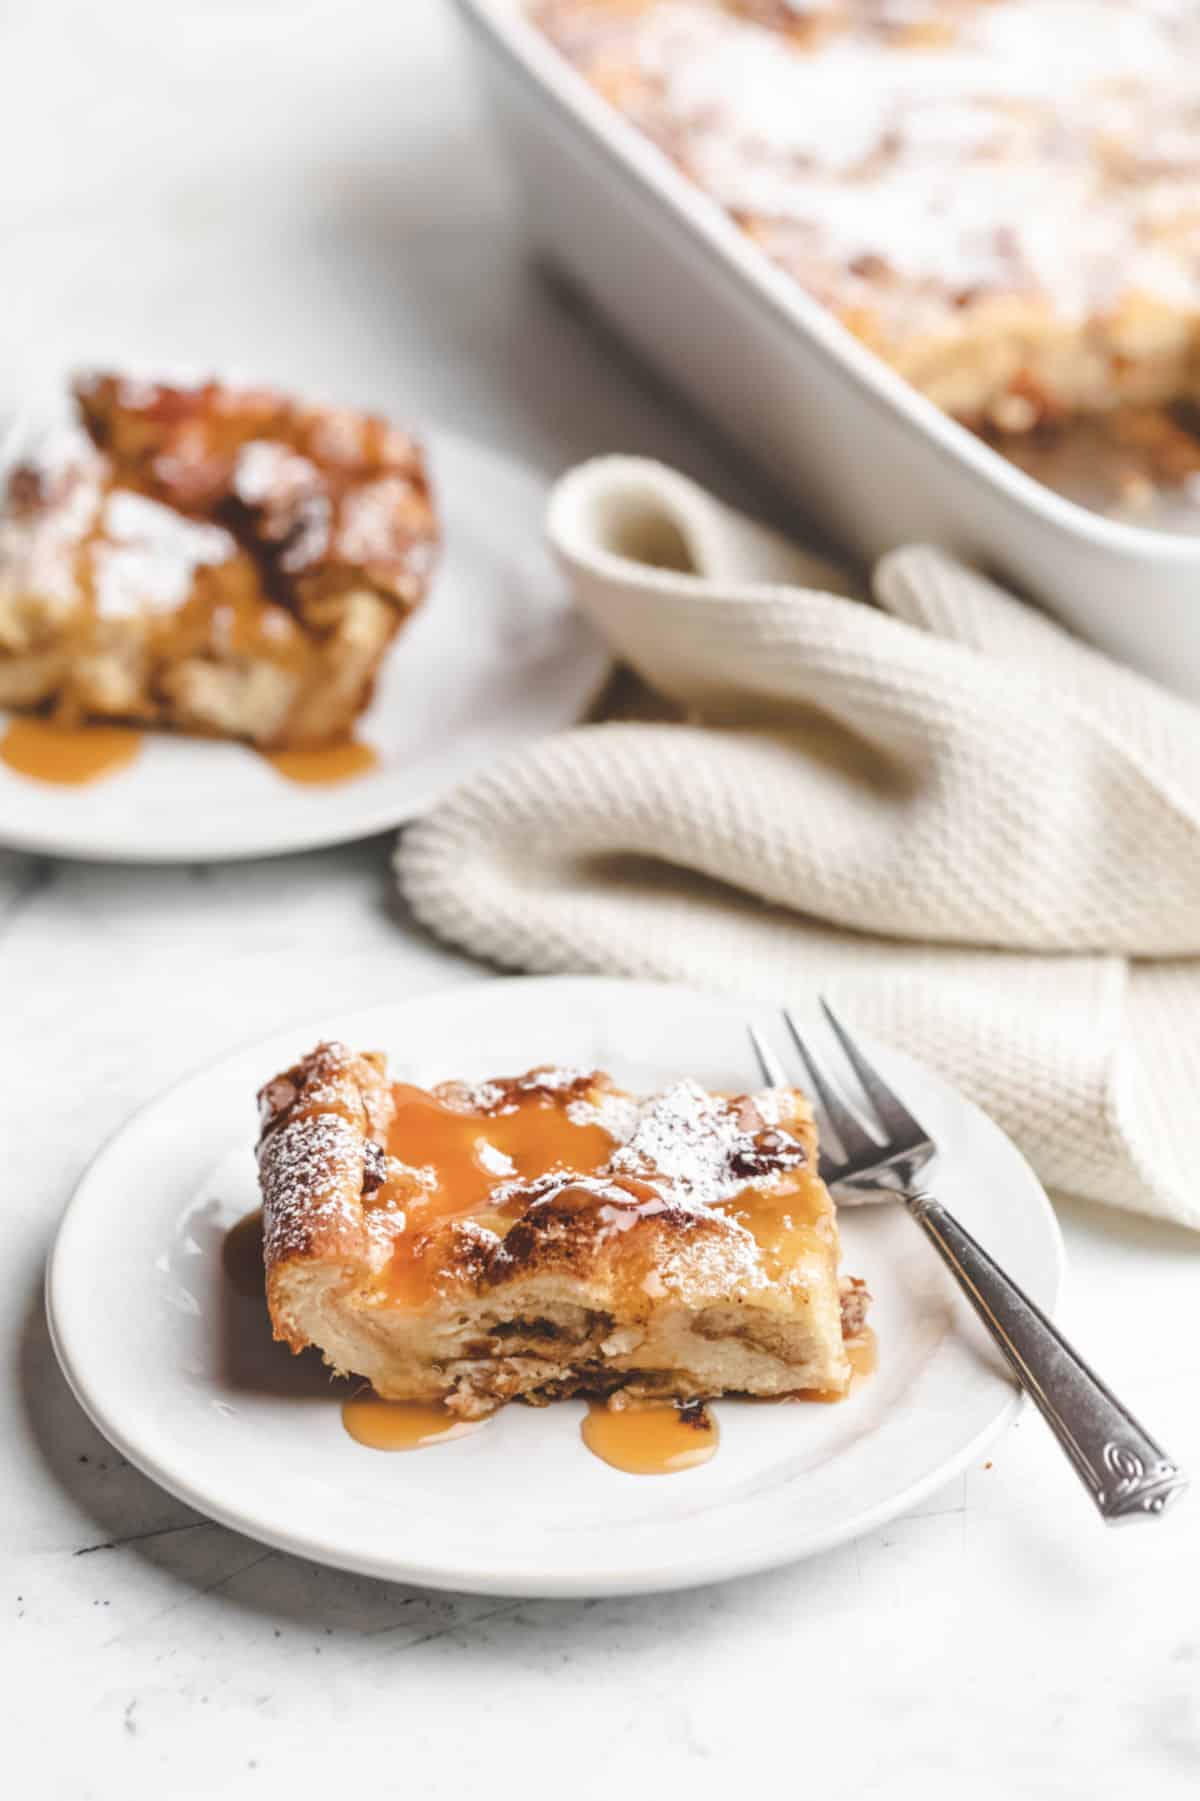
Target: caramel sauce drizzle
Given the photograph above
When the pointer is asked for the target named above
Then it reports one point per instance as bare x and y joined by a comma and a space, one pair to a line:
785, 1219
469, 1155
656, 1438
229, 614
68, 756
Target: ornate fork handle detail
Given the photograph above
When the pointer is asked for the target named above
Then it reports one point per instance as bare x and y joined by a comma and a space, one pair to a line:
1135, 1488
1127, 1475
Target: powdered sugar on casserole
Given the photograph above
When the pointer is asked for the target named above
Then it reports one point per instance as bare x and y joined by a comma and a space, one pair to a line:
1002, 197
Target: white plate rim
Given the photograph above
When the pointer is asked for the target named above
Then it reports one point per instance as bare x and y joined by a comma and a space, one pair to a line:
365, 811
527, 1581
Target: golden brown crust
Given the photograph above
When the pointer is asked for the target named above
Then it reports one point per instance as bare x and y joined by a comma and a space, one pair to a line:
324, 497
323, 1125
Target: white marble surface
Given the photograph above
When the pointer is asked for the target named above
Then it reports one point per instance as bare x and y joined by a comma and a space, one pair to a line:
307, 190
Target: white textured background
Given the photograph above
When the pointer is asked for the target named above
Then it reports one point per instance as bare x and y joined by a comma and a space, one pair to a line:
308, 192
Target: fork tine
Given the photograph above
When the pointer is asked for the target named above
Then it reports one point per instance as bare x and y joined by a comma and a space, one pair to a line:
855, 1141
773, 1072
897, 1122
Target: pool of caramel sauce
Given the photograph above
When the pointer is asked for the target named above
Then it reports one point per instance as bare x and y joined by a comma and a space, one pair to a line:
401, 1425
72, 756
324, 765
655, 1438
67, 756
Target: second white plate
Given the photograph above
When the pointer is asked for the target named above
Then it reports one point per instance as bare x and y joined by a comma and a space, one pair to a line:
181, 1374
495, 657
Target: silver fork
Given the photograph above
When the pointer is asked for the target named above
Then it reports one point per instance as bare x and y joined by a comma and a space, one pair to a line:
1128, 1475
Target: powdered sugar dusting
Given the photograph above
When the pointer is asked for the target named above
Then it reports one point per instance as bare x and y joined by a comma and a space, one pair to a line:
367, 528
614, 1113
383, 1226
552, 1078
310, 1175
994, 154
494, 1160
480, 1097
141, 557
684, 1138
267, 471
150, 556
696, 1147
289, 492
504, 1094
52, 505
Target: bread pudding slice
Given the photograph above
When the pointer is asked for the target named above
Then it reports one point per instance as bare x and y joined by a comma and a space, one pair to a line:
217, 560
549, 1234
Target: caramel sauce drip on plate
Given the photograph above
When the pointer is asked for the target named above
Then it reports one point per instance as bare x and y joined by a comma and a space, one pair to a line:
324, 764
654, 1439
70, 756
862, 1352
401, 1425
67, 755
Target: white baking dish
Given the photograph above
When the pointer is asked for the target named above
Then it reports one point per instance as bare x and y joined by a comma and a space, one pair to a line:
857, 447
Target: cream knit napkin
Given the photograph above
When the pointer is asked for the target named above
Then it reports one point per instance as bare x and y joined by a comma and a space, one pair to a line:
977, 836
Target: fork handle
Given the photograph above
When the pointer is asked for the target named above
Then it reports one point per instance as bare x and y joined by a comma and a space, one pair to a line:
1128, 1476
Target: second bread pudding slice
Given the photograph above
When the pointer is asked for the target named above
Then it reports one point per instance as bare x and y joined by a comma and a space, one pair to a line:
549, 1234
224, 561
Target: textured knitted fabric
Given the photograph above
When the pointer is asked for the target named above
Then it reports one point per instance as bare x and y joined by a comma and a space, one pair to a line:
979, 837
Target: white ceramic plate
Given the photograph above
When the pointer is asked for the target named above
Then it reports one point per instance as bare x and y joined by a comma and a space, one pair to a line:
181, 1375
495, 657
